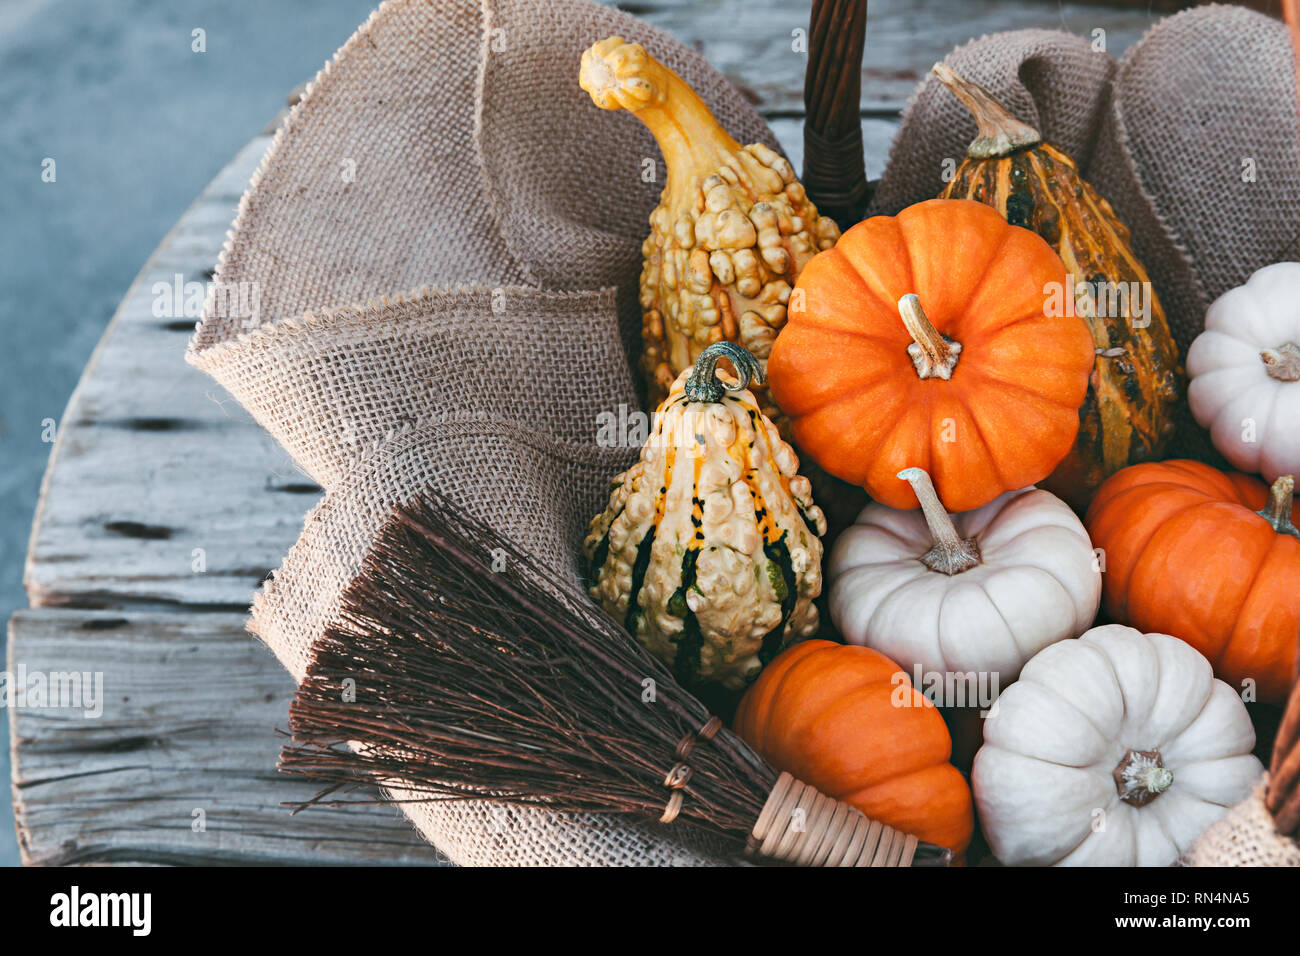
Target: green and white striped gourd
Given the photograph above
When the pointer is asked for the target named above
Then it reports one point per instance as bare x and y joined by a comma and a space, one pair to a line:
709, 549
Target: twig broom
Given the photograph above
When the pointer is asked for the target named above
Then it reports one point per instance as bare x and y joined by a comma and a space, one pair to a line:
476, 674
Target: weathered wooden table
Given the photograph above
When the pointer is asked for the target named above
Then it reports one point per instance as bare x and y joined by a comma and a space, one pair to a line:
164, 507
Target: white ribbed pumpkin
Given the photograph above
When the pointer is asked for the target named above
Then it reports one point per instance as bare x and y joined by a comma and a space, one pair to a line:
1245, 373
978, 592
708, 551
1117, 749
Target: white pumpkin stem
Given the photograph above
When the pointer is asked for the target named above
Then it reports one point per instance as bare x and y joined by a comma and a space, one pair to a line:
1283, 362
1141, 777
951, 553
1000, 133
933, 355
1277, 511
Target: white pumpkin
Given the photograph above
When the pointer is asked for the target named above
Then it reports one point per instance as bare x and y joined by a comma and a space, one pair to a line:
1245, 373
1117, 749
978, 592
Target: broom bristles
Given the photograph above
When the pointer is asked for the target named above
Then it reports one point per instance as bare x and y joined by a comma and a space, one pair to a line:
461, 670
472, 672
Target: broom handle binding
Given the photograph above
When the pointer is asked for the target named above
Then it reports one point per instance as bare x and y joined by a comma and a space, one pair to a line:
680, 774
827, 832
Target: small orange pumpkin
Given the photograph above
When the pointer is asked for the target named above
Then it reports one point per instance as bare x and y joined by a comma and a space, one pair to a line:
936, 339
1208, 557
847, 720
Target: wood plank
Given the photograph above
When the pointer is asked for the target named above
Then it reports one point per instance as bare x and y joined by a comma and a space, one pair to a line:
153, 460
191, 704
751, 42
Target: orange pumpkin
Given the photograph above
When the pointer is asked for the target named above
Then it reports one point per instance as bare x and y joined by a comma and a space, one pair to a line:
847, 720
938, 339
1208, 557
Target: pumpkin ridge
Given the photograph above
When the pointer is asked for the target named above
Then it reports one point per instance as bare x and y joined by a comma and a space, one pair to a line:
1004, 544
917, 759
1260, 557
886, 306
1140, 492
1119, 689
835, 253
901, 595
988, 448
989, 269
1064, 598
993, 259
978, 584
1056, 579
855, 387
1114, 677
882, 434
1283, 548
955, 824
984, 375
754, 715
1032, 315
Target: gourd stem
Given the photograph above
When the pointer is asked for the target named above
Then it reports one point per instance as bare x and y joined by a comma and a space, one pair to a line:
1283, 362
621, 75
704, 384
1277, 512
933, 355
951, 553
1000, 133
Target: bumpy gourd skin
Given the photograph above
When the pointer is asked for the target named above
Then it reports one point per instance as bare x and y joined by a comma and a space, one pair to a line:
731, 232
709, 550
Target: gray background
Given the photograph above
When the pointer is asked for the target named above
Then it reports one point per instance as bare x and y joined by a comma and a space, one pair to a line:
137, 124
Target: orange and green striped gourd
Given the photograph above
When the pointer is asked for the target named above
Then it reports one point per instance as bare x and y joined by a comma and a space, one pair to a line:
709, 551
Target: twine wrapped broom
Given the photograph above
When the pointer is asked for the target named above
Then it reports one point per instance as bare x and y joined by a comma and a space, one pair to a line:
475, 672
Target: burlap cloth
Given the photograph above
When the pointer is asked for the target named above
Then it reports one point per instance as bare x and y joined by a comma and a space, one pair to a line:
445, 238
1243, 837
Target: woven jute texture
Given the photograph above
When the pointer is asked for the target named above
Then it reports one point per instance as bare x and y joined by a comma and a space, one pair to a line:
1194, 137
1243, 837
448, 145
445, 238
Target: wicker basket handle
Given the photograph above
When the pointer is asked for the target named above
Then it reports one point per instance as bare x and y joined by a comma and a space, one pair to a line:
834, 173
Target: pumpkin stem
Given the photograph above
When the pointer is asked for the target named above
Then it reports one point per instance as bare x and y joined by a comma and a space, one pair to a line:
951, 553
933, 355
1141, 777
1277, 511
704, 384
1000, 133
1283, 362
